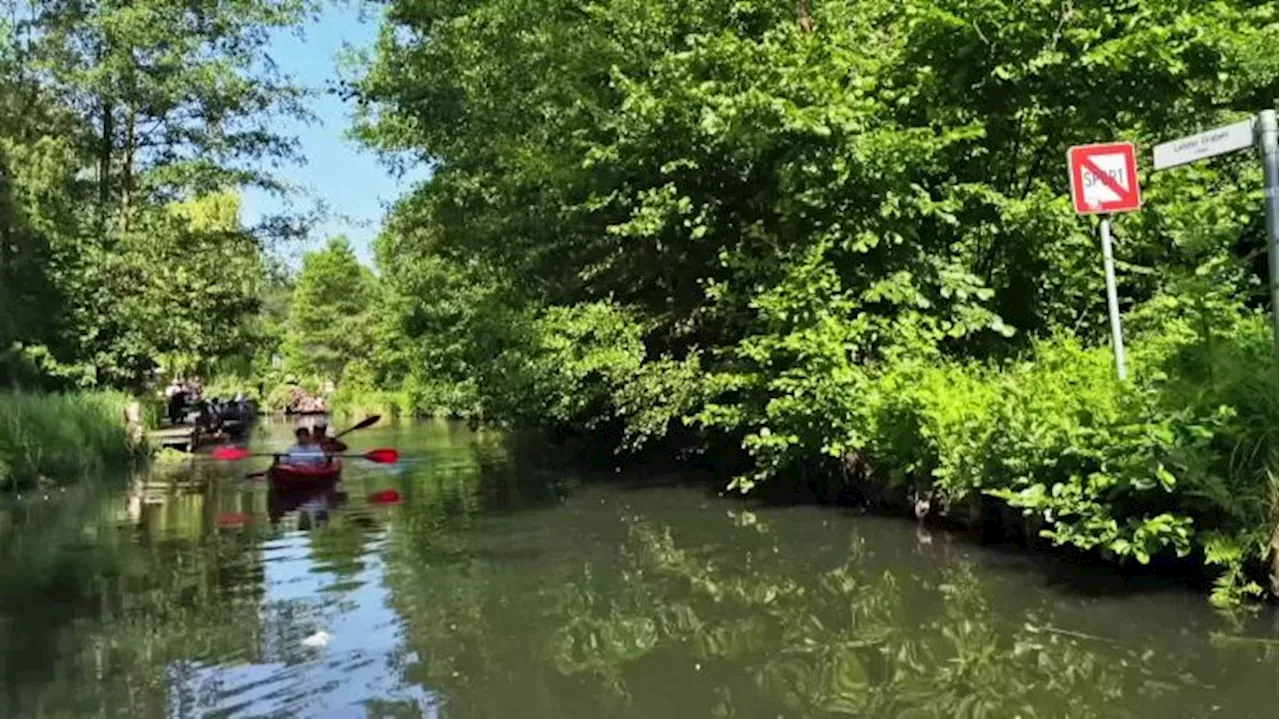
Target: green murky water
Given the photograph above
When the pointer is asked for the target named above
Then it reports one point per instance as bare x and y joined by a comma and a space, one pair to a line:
504, 588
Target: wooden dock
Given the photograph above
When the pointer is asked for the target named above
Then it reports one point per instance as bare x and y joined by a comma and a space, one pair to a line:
179, 438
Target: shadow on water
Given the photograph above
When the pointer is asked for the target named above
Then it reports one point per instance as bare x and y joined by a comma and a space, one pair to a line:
507, 580
997, 541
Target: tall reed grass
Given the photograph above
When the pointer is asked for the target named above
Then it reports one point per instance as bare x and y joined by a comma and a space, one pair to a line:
63, 438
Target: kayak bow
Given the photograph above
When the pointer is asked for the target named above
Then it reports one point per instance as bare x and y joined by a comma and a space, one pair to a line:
304, 476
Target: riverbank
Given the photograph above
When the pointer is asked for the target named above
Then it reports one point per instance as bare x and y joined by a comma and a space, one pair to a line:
64, 437
1174, 469
410, 400
1179, 464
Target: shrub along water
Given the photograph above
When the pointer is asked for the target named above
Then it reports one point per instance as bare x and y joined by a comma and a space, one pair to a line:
62, 438
1180, 462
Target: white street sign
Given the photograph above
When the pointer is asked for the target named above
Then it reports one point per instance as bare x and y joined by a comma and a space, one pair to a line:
1104, 178
1262, 132
1217, 141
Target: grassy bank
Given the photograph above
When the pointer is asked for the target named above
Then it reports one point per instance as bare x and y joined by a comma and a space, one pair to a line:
62, 438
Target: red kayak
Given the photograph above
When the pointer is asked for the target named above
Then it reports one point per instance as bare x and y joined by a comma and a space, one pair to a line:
288, 477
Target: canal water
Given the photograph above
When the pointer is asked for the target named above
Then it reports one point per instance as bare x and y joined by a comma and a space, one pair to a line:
501, 584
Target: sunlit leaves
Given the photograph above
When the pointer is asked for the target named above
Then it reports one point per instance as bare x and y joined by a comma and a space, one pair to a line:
136, 124
329, 313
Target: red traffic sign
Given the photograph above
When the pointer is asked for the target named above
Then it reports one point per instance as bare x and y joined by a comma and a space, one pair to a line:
1104, 178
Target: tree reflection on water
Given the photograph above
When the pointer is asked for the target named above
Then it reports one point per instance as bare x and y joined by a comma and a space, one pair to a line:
663, 627
500, 588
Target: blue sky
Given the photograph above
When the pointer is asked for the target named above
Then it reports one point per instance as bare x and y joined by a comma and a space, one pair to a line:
348, 179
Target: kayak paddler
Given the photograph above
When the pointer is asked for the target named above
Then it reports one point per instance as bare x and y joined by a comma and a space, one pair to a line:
305, 451
332, 445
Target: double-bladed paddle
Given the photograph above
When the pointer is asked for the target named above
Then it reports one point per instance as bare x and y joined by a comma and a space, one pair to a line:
385, 455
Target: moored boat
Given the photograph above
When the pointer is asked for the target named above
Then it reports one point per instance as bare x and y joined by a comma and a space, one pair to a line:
236, 428
293, 477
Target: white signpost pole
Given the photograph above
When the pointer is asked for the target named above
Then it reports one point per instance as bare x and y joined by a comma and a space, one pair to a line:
1270, 156
1113, 302
1104, 180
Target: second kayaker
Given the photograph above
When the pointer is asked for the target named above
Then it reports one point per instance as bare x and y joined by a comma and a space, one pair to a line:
331, 445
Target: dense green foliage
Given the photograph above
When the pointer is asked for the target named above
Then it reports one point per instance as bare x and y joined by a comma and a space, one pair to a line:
62, 438
838, 234
126, 131
327, 329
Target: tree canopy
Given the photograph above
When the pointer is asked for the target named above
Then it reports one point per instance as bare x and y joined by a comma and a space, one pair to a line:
127, 131
826, 242
328, 324
768, 189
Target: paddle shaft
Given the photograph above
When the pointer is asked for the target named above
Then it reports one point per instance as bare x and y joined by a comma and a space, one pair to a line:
380, 456
366, 422
265, 472
278, 455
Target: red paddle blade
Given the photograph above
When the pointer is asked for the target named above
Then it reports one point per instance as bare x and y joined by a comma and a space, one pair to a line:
383, 456
386, 496
232, 520
230, 453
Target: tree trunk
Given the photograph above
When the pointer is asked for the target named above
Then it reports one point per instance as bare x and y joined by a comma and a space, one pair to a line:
802, 16
7, 323
126, 169
105, 146
133, 423
1275, 560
